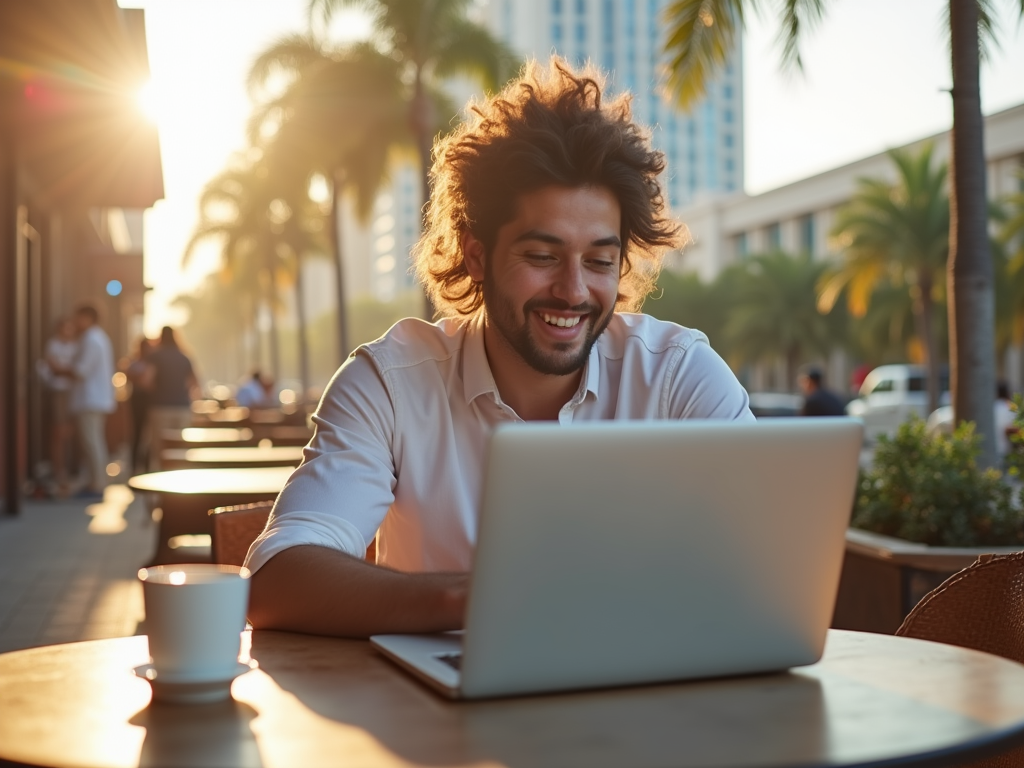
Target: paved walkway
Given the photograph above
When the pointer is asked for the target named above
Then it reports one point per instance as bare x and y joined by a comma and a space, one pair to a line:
68, 569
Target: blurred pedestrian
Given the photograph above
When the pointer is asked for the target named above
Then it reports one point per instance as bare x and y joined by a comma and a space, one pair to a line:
818, 401
172, 384
141, 381
92, 397
256, 392
1004, 416
55, 371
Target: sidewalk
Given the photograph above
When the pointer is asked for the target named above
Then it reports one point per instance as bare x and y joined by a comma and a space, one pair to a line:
68, 569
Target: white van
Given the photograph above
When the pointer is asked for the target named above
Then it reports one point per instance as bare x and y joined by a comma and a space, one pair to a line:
889, 396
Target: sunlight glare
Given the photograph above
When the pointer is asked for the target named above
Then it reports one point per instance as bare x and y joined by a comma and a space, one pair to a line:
149, 101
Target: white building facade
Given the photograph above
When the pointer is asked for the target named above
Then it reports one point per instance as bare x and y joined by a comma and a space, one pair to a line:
704, 146
798, 217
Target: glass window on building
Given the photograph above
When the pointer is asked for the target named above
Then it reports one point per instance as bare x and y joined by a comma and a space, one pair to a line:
807, 234
727, 139
581, 7
727, 91
727, 116
556, 34
608, 22
581, 34
774, 237
740, 246
556, 7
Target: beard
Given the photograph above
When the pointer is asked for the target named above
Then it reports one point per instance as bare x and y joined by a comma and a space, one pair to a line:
513, 326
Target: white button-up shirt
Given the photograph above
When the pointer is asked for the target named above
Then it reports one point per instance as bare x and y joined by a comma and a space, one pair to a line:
93, 389
401, 433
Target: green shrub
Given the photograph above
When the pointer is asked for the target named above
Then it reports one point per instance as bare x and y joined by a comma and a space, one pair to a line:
929, 489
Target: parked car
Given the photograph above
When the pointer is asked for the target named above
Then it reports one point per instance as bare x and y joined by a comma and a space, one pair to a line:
890, 395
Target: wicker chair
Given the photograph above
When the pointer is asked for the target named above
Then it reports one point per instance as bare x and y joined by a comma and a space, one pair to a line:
981, 607
236, 528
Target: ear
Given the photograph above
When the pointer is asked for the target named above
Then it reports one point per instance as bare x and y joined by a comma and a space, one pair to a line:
473, 256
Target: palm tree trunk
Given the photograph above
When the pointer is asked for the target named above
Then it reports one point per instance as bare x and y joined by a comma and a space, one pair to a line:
923, 318
339, 266
969, 271
273, 341
421, 120
300, 314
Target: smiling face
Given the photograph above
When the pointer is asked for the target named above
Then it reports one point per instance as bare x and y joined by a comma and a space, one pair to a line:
551, 281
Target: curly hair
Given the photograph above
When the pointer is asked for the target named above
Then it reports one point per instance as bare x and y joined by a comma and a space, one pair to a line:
547, 127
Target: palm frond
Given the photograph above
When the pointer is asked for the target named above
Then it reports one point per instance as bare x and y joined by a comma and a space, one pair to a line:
289, 54
797, 15
701, 35
471, 50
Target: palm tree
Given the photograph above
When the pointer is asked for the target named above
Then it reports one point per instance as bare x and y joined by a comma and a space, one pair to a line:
700, 35
775, 314
342, 117
685, 299
432, 41
896, 233
264, 238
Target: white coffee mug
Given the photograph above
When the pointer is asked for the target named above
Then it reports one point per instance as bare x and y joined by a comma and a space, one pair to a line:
195, 614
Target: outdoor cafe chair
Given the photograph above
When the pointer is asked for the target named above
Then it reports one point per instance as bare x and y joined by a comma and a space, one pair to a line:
235, 528
981, 607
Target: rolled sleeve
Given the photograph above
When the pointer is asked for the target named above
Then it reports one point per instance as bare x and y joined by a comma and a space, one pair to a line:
340, 493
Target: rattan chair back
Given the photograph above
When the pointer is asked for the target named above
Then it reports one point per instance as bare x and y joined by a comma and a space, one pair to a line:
236, 528
981, 607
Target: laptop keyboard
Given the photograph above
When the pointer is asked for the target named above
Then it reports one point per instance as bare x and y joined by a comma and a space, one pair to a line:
453, 660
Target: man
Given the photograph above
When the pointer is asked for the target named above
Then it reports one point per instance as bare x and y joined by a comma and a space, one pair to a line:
818, 401
545, 217
92, 396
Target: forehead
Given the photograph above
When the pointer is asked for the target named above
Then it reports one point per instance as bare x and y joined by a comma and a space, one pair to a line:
588, 212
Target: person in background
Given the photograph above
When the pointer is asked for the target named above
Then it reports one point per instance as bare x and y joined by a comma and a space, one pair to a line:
92, 396
59, 355
818, 401
257, 392
171, 381
140, 378
1004, 415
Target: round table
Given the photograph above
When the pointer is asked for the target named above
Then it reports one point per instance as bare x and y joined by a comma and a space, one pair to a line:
319, 701
187, 495
222, 458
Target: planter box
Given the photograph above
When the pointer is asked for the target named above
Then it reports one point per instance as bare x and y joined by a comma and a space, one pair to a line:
883, 578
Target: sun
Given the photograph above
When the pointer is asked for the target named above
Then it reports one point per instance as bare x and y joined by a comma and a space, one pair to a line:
149, 101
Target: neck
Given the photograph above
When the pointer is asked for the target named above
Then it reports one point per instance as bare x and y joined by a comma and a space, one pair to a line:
533, 395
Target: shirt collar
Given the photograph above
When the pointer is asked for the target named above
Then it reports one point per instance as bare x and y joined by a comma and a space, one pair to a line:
476, 371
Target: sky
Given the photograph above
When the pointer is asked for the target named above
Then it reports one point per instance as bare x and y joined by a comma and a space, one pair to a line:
873, 78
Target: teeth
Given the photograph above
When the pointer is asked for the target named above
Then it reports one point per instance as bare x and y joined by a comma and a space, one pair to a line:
562, 322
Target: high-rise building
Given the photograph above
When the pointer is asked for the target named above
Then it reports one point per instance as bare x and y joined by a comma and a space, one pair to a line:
703, 146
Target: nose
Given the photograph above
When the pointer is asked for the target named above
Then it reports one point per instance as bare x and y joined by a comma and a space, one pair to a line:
571, 285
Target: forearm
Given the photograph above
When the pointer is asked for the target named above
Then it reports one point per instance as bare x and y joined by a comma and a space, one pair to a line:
325, 592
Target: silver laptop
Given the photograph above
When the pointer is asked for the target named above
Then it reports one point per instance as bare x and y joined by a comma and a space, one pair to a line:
621, 553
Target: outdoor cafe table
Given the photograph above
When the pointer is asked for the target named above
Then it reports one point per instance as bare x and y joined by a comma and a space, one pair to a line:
187, 495
317, 701
195, 437
219, 458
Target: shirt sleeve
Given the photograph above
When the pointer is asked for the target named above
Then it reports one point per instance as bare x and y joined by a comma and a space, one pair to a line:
704, 387
339, 495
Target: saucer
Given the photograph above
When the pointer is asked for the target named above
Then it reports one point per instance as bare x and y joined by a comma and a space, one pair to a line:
180, 690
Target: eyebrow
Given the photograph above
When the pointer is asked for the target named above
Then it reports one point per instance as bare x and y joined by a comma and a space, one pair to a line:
546, 237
